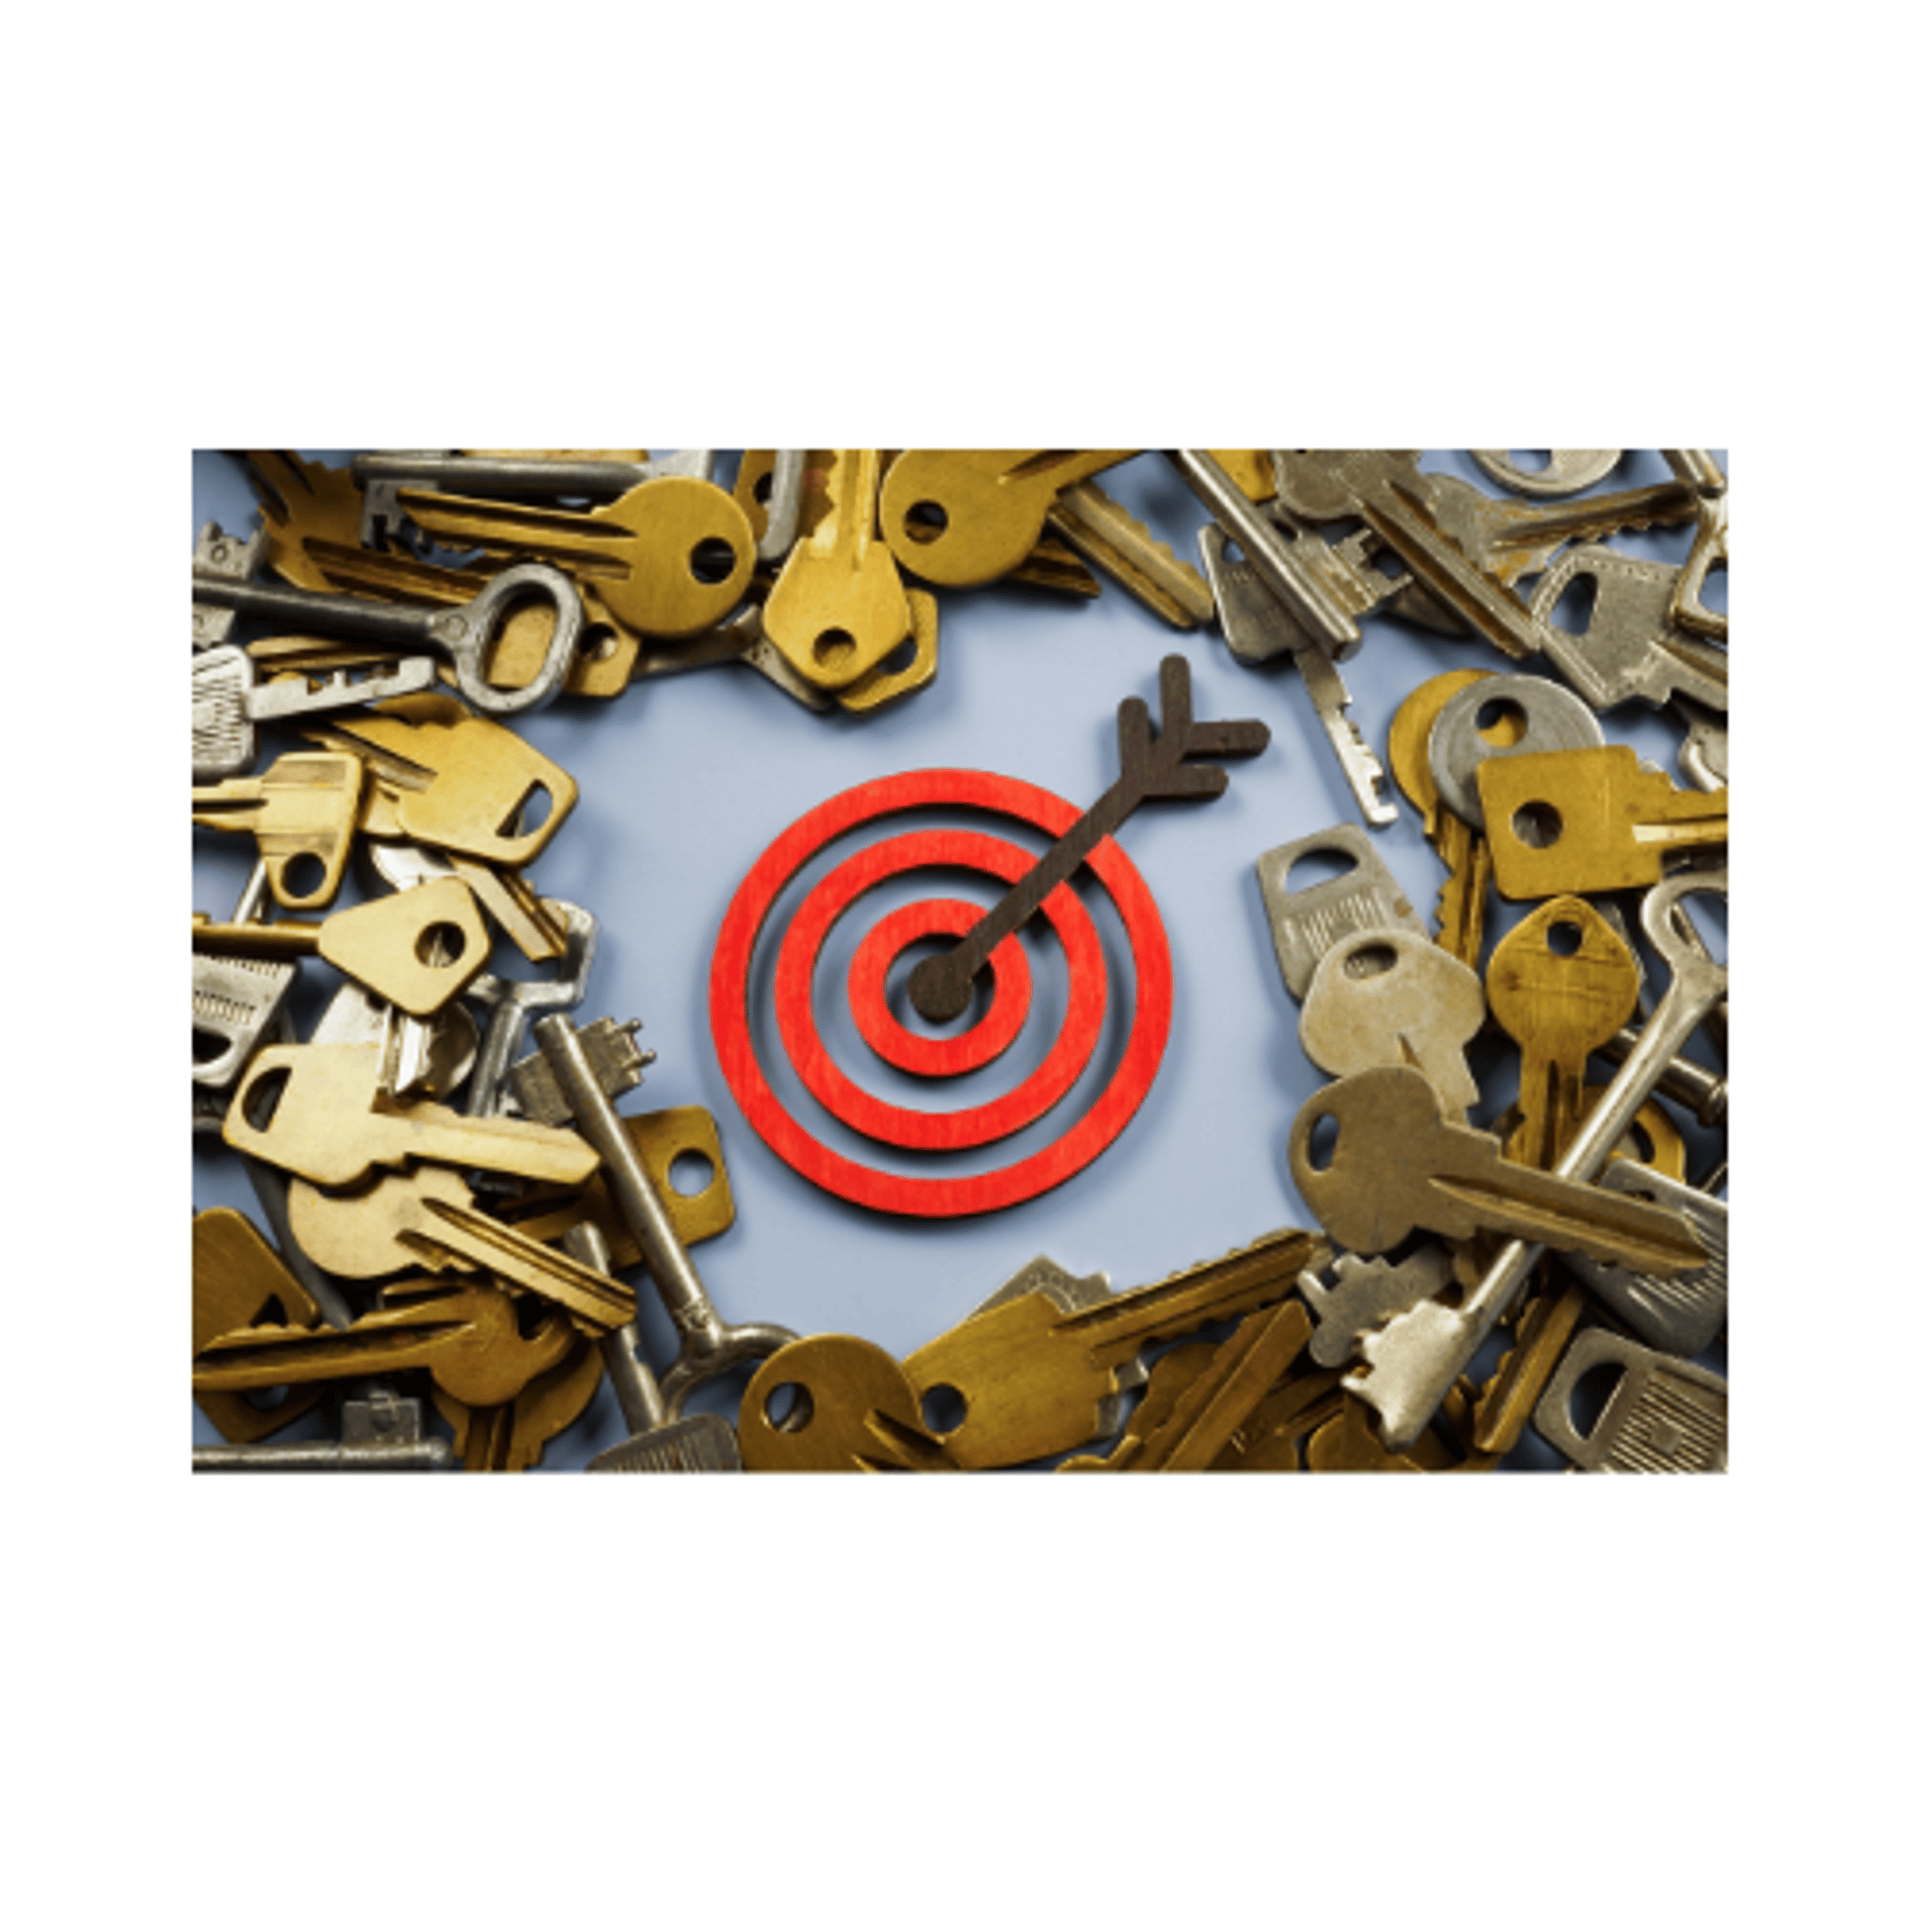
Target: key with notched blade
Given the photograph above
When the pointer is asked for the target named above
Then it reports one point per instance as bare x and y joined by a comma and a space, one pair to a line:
305, 804
1397, 1164
1030, 1379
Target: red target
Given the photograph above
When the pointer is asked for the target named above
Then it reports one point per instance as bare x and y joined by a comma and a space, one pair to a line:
929, 1056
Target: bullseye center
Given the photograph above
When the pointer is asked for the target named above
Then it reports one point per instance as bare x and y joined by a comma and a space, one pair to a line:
939, 990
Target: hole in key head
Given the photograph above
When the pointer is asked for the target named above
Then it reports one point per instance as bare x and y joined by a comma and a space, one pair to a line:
1375, 958
832, 648
1529, 462
763, 488
1565, 938
789, 1408
530, 813
601, 648
1707, 911
440, 944
925, 521
263, 1098
712, 561
304, 875
1319, 865
942, 1409
690, 1174
1502, 723
1591, 1392
1573, 611
266, 1399
1713, 589
902, 657
1537, 824
208, 1046
1323, 1142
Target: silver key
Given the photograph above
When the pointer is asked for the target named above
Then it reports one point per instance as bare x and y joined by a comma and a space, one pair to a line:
1370, 1292
1553, 720
1680, 1316
1703, 754
236, 1002
511, 1003
1630, 649
465, 634
223, 738
1414, 1359
1663, 1417
1257, 625
380, 1434
1305, 923
1563, 474
1700, 471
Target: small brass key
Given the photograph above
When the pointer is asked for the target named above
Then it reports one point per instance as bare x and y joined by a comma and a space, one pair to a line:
850, 1410
304, 807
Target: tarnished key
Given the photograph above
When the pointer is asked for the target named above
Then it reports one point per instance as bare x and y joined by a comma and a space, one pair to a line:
1369, 1293
1030, 1379
1564, 473
239, 1280
1411, 1362
1397, 1163
1697, 470
1391, 998
303, 809
848, 1408
1627, 647
1592, 820
1308, 920
377, 1435
236, 1002
512, 1003
1703, 754
1663, 1417
1504, 716
1126, 551
511, 1437
1680, 1316
464, 635
1249, 612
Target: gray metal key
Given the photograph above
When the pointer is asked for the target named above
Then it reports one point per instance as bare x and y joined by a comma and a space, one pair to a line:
1663, 1417
1307, 922
378, 1434
1552, 720
1629, 648
1682, 1315
512, 1003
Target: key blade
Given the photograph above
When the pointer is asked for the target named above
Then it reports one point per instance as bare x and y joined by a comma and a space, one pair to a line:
1641, 1236
1365, 775
701, 1443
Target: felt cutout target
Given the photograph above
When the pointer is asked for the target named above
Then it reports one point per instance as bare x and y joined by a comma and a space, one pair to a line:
1169, 764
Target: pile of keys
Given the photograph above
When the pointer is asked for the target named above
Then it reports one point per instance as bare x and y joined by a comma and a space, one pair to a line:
473, 1252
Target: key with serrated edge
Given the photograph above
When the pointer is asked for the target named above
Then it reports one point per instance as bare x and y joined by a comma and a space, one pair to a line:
1510, 539
1679, 1316
1128, 552
304, 804
1031, 1379
1590, 820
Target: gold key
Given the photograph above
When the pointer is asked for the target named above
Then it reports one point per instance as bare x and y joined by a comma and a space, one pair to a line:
1125, 549
303, 809
850, 1411
451, 778
240, 1281
1551, 1319
1031, 1378
839, 607
511, 1437
1589, 820
962, 519
302, 501
1561, 983
417, 948
320, 1113
428, 1218
467, 1336
668, 558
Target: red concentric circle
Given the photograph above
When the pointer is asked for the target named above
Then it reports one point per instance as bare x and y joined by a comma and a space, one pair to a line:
927, 1054
936, 1198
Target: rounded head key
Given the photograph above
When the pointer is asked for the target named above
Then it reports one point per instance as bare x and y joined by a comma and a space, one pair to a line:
848, 1409
1478, 724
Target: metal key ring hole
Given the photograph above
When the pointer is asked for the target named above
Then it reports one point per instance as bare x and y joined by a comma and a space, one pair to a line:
1501, 723
1538, 825
690, 1174
1657, 917
943, 1409
1566, 938
1370, 961
925, 521
441, 944
473, 637
302, 877
1319, 865
1589, 1396
788, 1408
833, 647
263, 1098
1323, 1142
712, 561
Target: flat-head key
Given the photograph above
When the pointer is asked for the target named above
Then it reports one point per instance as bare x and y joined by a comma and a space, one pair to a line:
466, 635
1030, 1379
1411, 1362
848, 1409
305, 804
1663, 1417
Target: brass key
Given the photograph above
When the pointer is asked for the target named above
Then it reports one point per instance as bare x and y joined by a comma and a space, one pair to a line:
851, 1411
305, 806
1398, 1164
510, 1437
1590, 820
670, 558
1121, 547
839, 608
1031, 1379
467, 1336
1561, 983
240, 1281
962, 519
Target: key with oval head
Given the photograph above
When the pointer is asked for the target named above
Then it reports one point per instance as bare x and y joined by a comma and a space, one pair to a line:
1412, 1361
1397, 1163
1030, 1379
465, 635
1498, 718
668, 559
1388, 998
1561, 983
839, 606
1663, 1417
962, 519
1590, 821
848, 1409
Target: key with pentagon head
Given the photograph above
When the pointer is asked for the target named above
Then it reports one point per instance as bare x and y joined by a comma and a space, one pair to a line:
1561, 983
1387, 491
1664, 1416
668, 559
1126, 551
962, 519
839, 606
466, 1335
1030, 1379
1626, 647
305, 806
1411, 1362
1307, 921
1386, 997
846, 1407
1699, 472
1680, 1316
697, 1443
1592, 820
319, 1113
1397, 1163
464, 635
453, 779
383, 1434
1249, 611
1242, 1372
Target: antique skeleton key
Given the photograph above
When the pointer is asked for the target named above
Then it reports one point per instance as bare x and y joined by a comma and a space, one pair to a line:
302, 809
1397, 1163
1561, 983
849, 1409
962, 519
1167, 765
1030, 1379
1592, 820
379, 1433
